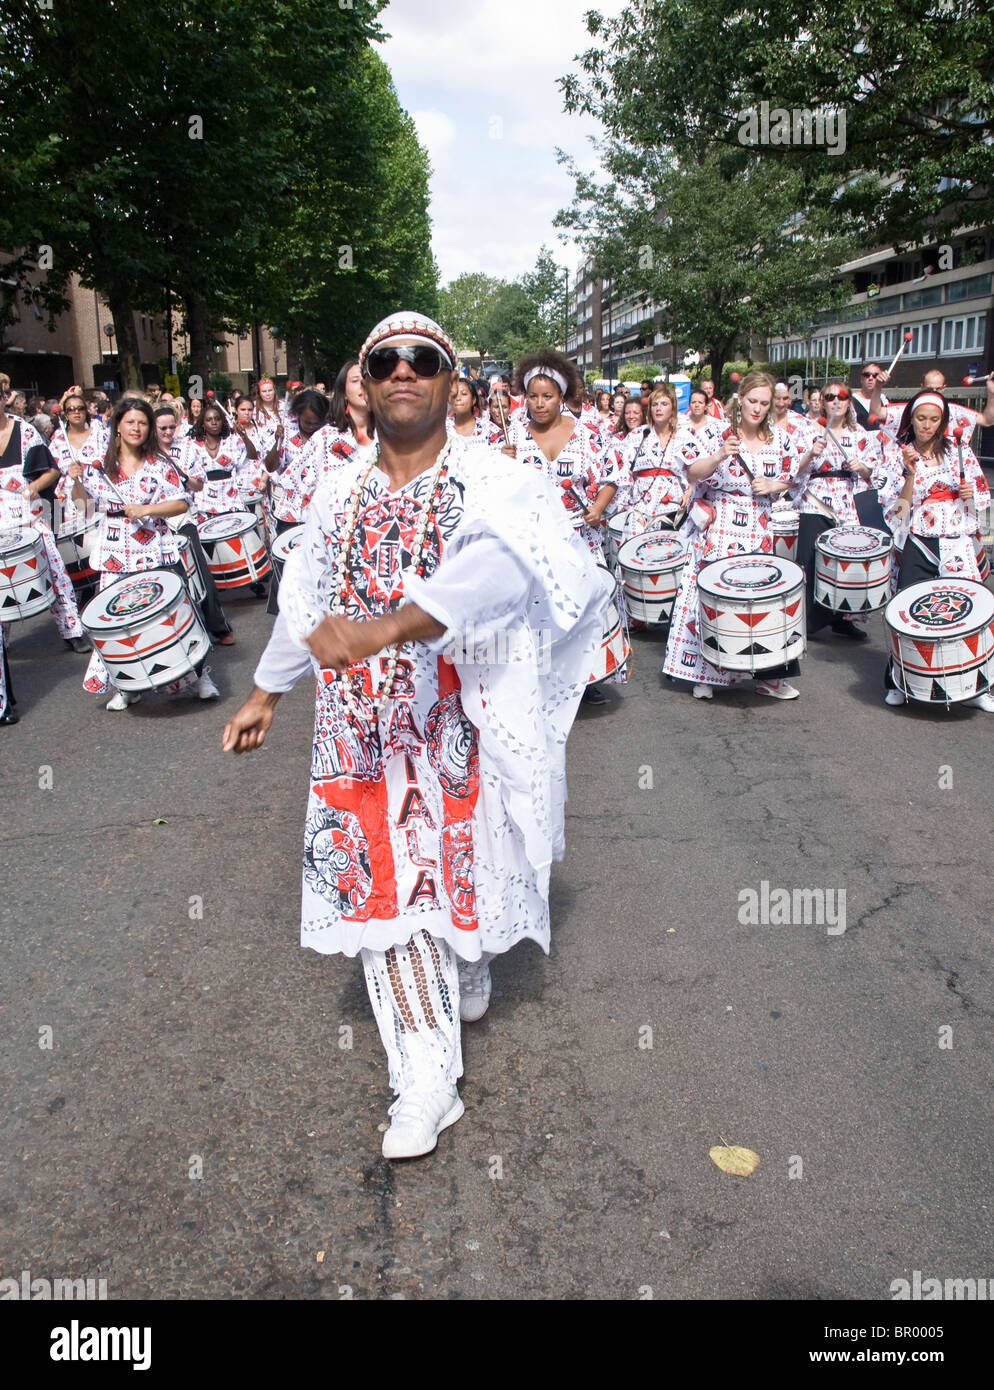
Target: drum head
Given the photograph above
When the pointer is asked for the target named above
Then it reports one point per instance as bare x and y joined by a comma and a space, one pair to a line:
21, 538
854, 542
653, 550
616, 523
750, 577
941, 608
131, 599
784, 520
228, 524
284, 545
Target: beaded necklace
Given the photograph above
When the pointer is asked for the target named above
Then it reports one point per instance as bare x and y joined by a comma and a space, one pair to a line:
338, 607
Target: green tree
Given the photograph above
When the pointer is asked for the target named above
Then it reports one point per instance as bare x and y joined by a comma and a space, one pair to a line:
547, 286
913, 81
719, 247
464, 304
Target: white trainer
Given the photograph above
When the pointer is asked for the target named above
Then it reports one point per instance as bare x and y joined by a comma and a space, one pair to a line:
982, 701
206, 688
475, 986
777, 690
703, 692
896, 697
418, 1119
122, 701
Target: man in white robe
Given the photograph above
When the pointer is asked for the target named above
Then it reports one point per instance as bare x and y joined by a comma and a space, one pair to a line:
450, 659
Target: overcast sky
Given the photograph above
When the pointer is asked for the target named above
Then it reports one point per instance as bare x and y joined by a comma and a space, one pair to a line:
479, 80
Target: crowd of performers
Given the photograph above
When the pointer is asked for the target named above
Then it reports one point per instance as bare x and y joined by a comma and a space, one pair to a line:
424, 513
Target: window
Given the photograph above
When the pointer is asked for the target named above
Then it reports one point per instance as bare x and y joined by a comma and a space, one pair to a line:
881, 342
890, 304
820, 347
847, 347
922, 299
963, 335
924, 337
968, 289
778, 352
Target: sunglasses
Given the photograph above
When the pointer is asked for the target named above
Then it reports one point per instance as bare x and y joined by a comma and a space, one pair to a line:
427, 362
870, 376
831, 398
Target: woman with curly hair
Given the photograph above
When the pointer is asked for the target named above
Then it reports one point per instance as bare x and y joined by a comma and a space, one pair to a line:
554, 441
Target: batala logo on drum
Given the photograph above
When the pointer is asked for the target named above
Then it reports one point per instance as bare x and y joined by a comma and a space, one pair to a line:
941, 607
135, 598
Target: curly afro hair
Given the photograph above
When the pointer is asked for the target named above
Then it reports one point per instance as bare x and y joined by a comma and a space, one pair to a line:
557, 363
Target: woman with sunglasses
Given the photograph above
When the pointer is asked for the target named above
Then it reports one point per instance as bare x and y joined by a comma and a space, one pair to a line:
77, 439
756, 464
837, 488
554, 442
934, 514
868, 399
136, 488
27, 471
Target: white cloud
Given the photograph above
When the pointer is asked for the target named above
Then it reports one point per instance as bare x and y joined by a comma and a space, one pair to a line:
457, 69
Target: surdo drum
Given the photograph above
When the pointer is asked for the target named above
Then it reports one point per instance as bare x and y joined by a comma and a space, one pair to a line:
75, 541
942, 640
283, 546
25, 579
235, 549
852, 569
651, 566
785, 523
614, 652
751, 612
146, 630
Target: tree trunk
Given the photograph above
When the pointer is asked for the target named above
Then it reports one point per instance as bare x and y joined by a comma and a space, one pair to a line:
308, 362
198, 326
125, 335
294, 353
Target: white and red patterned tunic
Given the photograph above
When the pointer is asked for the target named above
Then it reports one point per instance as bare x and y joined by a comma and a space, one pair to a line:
740, 527
580, 470
444, 811
937, 510
25, 458
286, 498
654, 475
228, 493
826, 479
329, 448
92, 450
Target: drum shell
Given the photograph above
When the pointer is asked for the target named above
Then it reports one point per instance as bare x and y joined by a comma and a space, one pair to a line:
238, 557
852, 583
784, 528
75, 545
283, 546
154, 646
940, 668
614, 651
983, 559
650, 589
25, 578
752, 630
612, 536
194, 582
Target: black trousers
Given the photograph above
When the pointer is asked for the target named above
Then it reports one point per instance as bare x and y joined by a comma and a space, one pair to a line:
9, 702
213, 614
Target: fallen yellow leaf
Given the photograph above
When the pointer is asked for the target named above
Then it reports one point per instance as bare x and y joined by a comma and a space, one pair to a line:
732, 1158
320, 1257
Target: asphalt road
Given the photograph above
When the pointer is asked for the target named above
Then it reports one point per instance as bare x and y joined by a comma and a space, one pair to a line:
200, 1128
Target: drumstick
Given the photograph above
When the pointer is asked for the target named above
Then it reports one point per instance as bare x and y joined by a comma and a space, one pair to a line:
975, 380
958, 436
823, 507
824, 424
904, 343
503, 419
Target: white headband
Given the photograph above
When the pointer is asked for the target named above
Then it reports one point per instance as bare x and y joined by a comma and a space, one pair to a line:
546, 372
929, 398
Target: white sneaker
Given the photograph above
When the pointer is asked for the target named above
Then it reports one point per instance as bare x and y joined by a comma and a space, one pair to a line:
777, 690
474, 990
703, 692
206, 688
418, 1119
982, 701
896, 697
122, 701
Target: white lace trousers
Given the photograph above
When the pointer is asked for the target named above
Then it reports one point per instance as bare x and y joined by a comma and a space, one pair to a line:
414, 991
